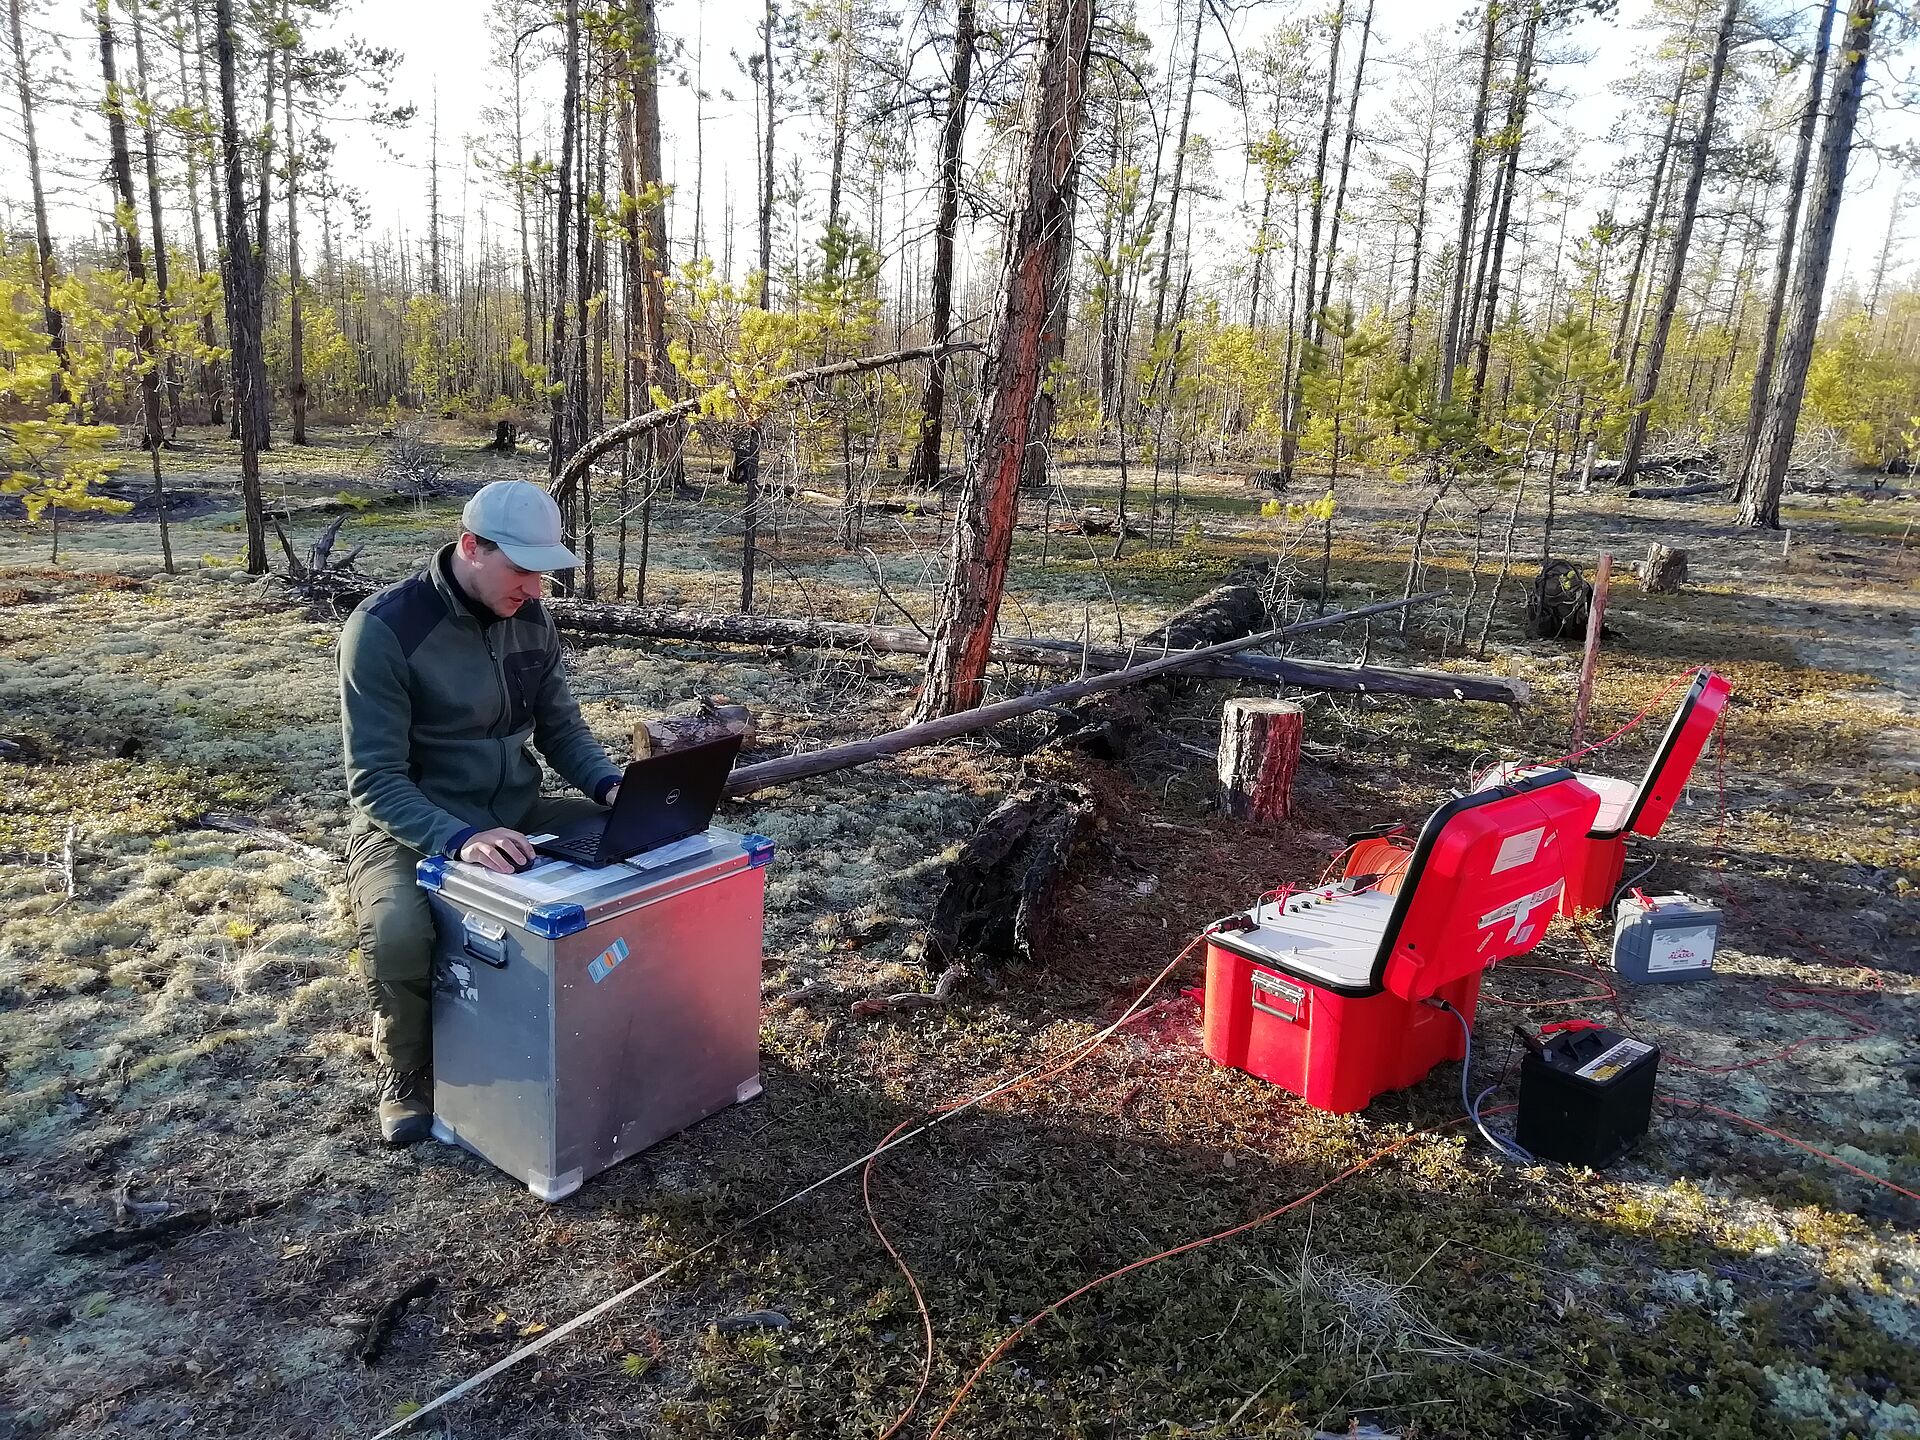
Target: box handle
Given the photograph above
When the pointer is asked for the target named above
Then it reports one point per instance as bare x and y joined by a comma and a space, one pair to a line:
1279, 998
485, 940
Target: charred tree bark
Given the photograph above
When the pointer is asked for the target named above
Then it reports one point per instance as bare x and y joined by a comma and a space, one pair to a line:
1783, 258
1682, 242
989, 506
998, 899
1760, 502
129, 225
244, 279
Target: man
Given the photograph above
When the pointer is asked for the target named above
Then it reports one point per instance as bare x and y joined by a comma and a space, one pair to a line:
444, 680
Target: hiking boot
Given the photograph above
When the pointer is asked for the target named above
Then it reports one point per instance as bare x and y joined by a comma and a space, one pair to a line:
406, 1106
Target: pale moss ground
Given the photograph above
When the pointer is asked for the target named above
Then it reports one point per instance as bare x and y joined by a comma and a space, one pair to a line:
188, 1026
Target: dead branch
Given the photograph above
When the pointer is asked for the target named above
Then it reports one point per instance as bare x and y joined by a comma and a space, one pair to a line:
618, 435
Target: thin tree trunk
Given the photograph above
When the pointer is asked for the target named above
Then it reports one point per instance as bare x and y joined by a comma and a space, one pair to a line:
1346, 162
151, 147
766, 161
211, 369
1451, 323
263, 391
148, 357
243, 298
983, 527
1179, 173
1783, 258
1626, 325
296, 328
1760, 503
933, 402
1296, 372
1510, 179
42, 235
562, 436
1682, 242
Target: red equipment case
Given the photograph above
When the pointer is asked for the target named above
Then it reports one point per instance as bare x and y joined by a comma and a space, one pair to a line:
1320, 993
1594, 869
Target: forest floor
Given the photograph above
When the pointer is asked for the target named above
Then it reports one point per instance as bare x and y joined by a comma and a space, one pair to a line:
182, 1026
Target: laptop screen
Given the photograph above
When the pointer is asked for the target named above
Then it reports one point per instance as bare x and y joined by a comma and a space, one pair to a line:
667, 797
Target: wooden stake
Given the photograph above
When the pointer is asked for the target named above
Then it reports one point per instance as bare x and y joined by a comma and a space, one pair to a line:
1595, 610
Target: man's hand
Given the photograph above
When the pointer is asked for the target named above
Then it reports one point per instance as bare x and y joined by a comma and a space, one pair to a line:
502, 850
612, 795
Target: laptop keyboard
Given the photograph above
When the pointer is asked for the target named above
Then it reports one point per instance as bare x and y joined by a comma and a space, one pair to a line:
585, 850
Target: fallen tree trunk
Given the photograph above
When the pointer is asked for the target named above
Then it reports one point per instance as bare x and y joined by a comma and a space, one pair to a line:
749, 778
1674, 492
998, 898
580, 617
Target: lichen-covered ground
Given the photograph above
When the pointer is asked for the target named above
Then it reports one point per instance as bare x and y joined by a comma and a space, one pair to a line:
184, 1029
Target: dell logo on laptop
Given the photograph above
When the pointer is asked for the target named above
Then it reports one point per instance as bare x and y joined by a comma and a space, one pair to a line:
673, 797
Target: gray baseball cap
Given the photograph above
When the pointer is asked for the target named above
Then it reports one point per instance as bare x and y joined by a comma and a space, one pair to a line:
521, 518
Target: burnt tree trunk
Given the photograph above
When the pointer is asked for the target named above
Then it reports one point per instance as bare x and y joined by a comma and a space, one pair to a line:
933, 404
997, 902
1259, 752
989, 504
1760, 492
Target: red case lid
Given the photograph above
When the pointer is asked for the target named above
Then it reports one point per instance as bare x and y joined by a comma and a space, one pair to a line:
1680, 749
1485, 879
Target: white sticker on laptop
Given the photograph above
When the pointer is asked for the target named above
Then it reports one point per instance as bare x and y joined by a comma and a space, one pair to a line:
1518, 849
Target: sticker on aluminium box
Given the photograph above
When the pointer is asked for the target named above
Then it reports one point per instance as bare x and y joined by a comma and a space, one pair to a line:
1518, 849
1518, 910
1680, 949
602, 964
1614, 1059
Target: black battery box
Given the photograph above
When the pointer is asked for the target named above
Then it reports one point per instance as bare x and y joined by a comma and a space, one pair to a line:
1586, 1094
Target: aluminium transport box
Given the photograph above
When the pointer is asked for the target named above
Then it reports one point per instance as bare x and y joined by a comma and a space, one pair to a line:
581, 1015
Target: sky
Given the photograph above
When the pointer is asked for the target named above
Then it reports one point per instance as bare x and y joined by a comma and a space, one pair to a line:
445, 48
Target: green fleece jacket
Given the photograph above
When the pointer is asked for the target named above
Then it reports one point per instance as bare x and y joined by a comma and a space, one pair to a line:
438, 705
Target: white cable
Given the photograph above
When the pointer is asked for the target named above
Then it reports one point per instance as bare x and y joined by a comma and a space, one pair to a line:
560, 1332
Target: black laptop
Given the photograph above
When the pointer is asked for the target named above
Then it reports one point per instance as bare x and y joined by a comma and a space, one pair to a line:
662, 799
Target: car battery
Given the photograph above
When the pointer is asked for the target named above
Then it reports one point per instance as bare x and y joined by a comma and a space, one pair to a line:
1664, 938
583, 1014
1586, 1094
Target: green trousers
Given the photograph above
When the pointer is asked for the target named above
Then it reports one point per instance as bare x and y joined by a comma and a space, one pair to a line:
396, 930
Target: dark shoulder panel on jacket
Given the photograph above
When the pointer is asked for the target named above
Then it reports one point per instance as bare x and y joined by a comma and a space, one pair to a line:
410, 610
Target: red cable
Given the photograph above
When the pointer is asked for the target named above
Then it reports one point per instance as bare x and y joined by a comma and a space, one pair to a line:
1684, 677
1084, 1049
1797, 1144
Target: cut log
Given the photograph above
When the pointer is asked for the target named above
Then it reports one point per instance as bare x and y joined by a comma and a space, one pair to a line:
506, 437
1259, 752
1665, 570
578, 617
718, 717
1674, 492
997, 901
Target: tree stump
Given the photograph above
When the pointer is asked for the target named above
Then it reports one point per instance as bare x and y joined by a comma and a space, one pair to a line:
506, 437
1665, 570
1259, 752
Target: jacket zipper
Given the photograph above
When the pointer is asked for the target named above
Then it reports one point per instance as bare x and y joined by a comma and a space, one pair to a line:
506, 713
